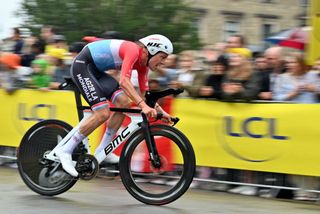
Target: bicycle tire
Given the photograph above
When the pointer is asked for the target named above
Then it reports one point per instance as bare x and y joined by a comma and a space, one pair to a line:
41, 138
180, 186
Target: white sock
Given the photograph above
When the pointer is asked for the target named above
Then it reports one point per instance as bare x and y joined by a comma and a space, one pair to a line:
73, 142
106, 139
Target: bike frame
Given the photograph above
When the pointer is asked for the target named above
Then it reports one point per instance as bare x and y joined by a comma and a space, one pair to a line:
124, 134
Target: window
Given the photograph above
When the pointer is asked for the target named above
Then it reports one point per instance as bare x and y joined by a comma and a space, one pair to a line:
304, 3
231, 28
267, 1
267, 30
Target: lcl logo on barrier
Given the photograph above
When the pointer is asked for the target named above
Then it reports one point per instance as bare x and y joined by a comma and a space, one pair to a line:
36, 112
270, 132
236, 135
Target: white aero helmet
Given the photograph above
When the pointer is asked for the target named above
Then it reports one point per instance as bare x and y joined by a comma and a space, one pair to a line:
157, 43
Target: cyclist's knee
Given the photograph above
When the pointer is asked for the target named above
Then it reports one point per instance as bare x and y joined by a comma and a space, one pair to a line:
102, 115
122, 101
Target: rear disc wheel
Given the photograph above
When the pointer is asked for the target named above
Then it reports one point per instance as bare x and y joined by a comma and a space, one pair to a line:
40, 175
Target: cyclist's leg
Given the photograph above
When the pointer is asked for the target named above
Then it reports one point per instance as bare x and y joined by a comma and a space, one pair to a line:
120, 100
83, 76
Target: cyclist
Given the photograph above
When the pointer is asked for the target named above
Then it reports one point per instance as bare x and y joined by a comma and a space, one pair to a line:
88, 73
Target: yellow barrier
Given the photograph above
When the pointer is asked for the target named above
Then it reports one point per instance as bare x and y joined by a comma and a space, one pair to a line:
26, 107
314, 37
264, 137
269, 137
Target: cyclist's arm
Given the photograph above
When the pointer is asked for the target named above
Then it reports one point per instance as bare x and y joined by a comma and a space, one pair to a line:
125, 78
126, 85
129, 54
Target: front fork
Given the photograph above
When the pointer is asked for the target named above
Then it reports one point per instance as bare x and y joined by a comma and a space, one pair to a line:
151, 144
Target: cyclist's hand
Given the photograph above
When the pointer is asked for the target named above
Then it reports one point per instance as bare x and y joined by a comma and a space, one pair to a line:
150, 112
166, 118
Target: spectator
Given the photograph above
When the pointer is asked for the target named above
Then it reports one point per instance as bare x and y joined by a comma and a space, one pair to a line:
18, 41
168, 72
276, 66
212, 86
186, 64
13, 75
261, 66
46, 37
58, 48
40, 79
189, 77
211, 53
61, 70
238, 41
297, 85
260, 63
28, 57
240, 81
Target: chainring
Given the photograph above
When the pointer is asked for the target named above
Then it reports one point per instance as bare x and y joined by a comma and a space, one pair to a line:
87, 166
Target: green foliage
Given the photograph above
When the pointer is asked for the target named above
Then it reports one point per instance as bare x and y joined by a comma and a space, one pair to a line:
132, 18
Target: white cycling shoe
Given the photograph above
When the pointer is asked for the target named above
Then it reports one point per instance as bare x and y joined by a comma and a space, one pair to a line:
66, 161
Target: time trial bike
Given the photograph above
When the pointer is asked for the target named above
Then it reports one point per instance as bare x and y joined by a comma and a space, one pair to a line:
151, 152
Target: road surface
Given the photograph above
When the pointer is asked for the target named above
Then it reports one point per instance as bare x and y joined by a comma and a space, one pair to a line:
107, 195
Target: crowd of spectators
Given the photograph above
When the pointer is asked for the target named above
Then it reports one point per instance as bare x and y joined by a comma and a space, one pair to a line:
225, 71
35, 62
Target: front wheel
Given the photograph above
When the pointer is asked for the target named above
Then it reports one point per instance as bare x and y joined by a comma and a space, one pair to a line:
43, 176
158, 185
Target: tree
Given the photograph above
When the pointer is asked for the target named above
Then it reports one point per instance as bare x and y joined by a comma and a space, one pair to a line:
132, 18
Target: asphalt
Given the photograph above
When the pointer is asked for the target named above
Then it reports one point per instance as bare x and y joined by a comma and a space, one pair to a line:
107, 195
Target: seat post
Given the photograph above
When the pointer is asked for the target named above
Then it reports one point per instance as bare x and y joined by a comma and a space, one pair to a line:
77, 95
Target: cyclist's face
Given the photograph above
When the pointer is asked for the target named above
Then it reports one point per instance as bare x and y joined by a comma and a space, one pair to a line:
157, 60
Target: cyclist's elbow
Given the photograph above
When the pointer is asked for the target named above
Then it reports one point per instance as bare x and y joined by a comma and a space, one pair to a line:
124, 81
